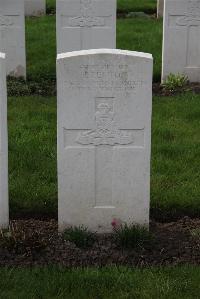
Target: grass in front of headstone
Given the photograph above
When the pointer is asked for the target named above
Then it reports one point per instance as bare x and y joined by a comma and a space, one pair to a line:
105, 283
80, 236
148, 6
175, 177
137, 34
125, 236
132, 236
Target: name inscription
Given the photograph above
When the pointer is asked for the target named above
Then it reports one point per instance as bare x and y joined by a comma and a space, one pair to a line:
106, 77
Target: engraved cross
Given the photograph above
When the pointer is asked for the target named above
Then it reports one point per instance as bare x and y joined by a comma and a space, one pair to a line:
191, 21
86, 21
106, 138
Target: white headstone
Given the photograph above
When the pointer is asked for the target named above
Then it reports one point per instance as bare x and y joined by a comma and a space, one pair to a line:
4, 217
104, 138
85, 24
160, 8
35, 7
181, 41
12, 28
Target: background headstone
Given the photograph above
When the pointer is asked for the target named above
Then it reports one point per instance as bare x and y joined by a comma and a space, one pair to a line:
12, 31
104, 138
160, 8
4, 214
85, 24
35, 7
181, 40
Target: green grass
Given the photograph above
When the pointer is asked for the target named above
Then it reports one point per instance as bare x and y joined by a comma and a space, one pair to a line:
41, 48
80, 236
137, 34
132, 236
175, 178
123, 5
51, 6
175, 184
143, 35
106, 283
32, 155
148, 6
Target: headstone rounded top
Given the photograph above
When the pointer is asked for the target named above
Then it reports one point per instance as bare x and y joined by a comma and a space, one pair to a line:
104, 51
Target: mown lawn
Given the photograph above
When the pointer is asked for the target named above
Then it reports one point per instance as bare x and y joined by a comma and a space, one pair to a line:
106, 283
32, 155
41, 48
143, 35
148, 6
137, 34
175, 187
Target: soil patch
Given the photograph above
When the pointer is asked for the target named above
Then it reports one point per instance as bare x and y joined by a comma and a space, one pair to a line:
38, 243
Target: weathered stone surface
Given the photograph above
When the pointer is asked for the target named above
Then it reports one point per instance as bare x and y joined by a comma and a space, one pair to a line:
12, 28
160, 8
104, 138
4, 217
85, 24
35, 7
181, 41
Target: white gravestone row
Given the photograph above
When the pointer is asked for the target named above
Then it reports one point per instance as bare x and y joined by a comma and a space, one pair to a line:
181, 41
4, 217
104, 138
85, 24
12, 36
35, 7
